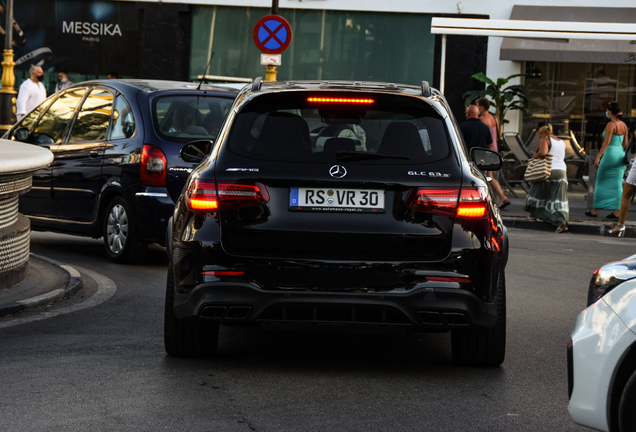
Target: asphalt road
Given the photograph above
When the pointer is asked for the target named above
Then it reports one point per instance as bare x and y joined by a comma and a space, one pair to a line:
96, 362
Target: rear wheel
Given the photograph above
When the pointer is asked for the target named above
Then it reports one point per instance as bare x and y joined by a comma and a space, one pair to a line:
626, 415
483, 347
121, 241
186, 337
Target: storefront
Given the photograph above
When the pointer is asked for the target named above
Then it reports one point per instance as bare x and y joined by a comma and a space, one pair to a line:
92, 38
337, 45
569, 83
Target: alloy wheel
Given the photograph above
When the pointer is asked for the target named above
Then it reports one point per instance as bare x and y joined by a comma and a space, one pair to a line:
117, 228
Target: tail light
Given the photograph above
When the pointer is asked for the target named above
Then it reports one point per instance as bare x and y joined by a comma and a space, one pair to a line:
205, 195
469, 203
222, 273
153, 166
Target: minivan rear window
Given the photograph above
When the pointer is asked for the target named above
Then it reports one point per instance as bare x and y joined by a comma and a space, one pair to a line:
331, 126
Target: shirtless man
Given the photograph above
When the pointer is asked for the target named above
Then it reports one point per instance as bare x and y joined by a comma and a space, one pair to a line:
489, 120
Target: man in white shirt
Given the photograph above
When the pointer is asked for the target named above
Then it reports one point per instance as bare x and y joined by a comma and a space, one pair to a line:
32, 92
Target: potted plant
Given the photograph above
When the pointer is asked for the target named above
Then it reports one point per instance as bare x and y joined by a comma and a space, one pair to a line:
504, 99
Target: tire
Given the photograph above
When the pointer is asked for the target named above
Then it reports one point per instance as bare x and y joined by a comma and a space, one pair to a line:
121, 241
626, 414
186, 337
483, 347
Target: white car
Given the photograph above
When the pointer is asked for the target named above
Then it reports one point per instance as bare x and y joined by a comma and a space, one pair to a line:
602, 352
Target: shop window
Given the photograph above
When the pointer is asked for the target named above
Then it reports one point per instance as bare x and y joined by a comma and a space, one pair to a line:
573, 98
326, 45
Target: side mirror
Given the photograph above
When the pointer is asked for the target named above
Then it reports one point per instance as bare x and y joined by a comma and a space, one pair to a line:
196, 151
486, 160
21, 134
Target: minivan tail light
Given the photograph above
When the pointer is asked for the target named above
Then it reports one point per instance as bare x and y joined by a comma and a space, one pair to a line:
204, 195
470, 202
152, 170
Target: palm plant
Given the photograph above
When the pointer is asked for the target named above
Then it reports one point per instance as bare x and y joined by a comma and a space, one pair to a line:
504, 99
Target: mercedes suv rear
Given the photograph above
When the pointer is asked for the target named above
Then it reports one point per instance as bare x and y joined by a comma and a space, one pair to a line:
338, 205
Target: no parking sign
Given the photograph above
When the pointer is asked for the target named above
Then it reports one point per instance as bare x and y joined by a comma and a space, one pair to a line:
272, 34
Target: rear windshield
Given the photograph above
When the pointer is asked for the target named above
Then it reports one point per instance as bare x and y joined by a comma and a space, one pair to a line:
308, 127
184, 118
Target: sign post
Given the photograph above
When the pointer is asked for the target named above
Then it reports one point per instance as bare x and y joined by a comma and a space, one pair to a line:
272, 35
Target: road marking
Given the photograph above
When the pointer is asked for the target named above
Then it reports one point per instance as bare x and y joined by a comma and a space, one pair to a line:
105, 290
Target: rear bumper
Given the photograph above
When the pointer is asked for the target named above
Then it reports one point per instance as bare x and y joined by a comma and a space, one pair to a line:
420, 309
153, 209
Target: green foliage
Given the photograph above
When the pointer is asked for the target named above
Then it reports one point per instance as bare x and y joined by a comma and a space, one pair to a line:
502, 98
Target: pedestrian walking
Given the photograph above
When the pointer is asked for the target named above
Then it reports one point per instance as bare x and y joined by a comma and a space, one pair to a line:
32, 92
629, 188
64, 82
548, 199
609, 164
477, 134
490, 120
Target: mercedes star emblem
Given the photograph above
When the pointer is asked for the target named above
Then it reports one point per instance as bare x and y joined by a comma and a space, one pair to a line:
337, 171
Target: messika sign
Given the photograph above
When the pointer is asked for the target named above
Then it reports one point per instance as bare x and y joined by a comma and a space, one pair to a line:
87, 28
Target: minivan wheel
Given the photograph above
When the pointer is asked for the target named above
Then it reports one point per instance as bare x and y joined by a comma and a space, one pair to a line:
121, 242
186, 337
483, 347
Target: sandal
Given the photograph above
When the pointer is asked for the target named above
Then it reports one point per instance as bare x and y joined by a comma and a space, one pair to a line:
561, 229
611, 216
504, 204
590, 214
619, 230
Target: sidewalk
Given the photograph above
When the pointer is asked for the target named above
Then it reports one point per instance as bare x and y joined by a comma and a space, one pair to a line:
514, 216
47, 281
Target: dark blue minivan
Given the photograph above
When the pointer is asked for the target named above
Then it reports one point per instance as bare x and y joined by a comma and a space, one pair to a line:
117, 170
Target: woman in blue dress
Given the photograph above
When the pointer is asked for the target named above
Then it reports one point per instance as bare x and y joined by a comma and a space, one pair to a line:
609, 162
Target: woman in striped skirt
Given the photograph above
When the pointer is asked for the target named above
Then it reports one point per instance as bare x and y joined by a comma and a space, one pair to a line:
548, 199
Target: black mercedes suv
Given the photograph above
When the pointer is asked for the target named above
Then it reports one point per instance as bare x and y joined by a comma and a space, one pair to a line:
325, 205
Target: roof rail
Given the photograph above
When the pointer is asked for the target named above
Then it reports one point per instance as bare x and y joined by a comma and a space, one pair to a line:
426, 89
256, 85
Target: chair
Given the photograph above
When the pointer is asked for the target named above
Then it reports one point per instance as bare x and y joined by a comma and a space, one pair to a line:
283, 135
402, 138
515, 163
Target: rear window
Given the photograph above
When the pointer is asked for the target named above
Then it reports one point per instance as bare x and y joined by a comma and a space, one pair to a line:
184, 118
313, 127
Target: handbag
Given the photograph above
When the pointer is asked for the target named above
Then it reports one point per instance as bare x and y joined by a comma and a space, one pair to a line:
538, 169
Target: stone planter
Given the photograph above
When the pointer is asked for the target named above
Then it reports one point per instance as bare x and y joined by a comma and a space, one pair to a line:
18, 162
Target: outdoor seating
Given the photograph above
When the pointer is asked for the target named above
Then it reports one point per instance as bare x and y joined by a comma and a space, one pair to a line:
515, 159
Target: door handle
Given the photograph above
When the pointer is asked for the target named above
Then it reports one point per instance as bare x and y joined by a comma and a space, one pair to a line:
93, 154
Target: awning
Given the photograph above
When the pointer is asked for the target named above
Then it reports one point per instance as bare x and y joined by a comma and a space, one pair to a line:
576, 50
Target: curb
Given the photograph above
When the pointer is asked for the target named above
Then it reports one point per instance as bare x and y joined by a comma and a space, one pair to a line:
576, 227
69, 288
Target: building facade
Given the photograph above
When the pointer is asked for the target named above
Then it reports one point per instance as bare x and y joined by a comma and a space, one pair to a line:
568, 83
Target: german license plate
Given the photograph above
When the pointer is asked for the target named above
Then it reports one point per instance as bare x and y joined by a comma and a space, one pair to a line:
336, 200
